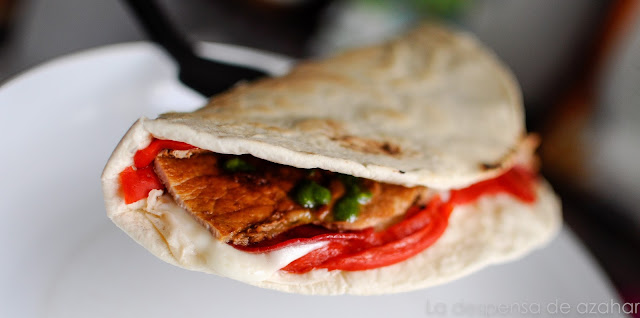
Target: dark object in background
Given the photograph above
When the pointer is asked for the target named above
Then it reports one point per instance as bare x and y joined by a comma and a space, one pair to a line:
283, 27
205, 76
291, 23
7, 10
210, 77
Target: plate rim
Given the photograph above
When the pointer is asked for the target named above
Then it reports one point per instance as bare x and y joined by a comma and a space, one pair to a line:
204, 48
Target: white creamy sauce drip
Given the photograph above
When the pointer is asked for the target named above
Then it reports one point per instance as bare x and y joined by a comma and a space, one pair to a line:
192, 244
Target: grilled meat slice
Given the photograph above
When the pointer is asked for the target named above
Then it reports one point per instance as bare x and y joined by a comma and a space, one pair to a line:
227, 203
248, 207
388, 204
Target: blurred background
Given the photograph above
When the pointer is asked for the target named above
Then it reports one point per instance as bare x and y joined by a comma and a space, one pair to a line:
578, 62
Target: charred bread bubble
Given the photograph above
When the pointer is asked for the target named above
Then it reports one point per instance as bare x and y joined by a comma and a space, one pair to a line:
380, 170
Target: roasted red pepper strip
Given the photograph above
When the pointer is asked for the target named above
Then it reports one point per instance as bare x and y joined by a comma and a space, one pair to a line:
397, 250
377, 249
136, 184
145, 157
518, 181
305, 235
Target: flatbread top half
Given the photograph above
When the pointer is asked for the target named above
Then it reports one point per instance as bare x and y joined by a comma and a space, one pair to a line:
432, 108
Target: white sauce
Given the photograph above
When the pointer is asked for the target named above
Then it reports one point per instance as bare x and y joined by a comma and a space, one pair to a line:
193, 245
445, 195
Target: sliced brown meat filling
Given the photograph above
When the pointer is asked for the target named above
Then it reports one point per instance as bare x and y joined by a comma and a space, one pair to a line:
248, 207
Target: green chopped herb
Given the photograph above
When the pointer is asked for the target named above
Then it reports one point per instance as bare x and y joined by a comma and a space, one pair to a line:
363, 197
310, 194
346, 209
238, 165
321, 194
304, 196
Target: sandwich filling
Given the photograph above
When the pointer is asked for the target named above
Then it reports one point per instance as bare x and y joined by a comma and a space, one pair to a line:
261, 207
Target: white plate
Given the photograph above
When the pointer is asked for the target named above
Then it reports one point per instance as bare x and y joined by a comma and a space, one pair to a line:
62, 257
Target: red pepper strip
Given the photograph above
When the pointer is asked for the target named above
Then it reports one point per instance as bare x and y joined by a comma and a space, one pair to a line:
306, 234
145, 157
377, 249
416, 219
301, 235
518, 181
136, 184
398, 250
322, 255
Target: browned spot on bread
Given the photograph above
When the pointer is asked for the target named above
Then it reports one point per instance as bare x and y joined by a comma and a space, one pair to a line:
328, 127
490, 166
390, 148
371, 146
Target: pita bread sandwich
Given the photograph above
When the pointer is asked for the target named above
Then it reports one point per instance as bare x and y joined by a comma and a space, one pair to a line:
383, 169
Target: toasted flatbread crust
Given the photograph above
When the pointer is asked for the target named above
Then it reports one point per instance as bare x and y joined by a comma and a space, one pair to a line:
433, 108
